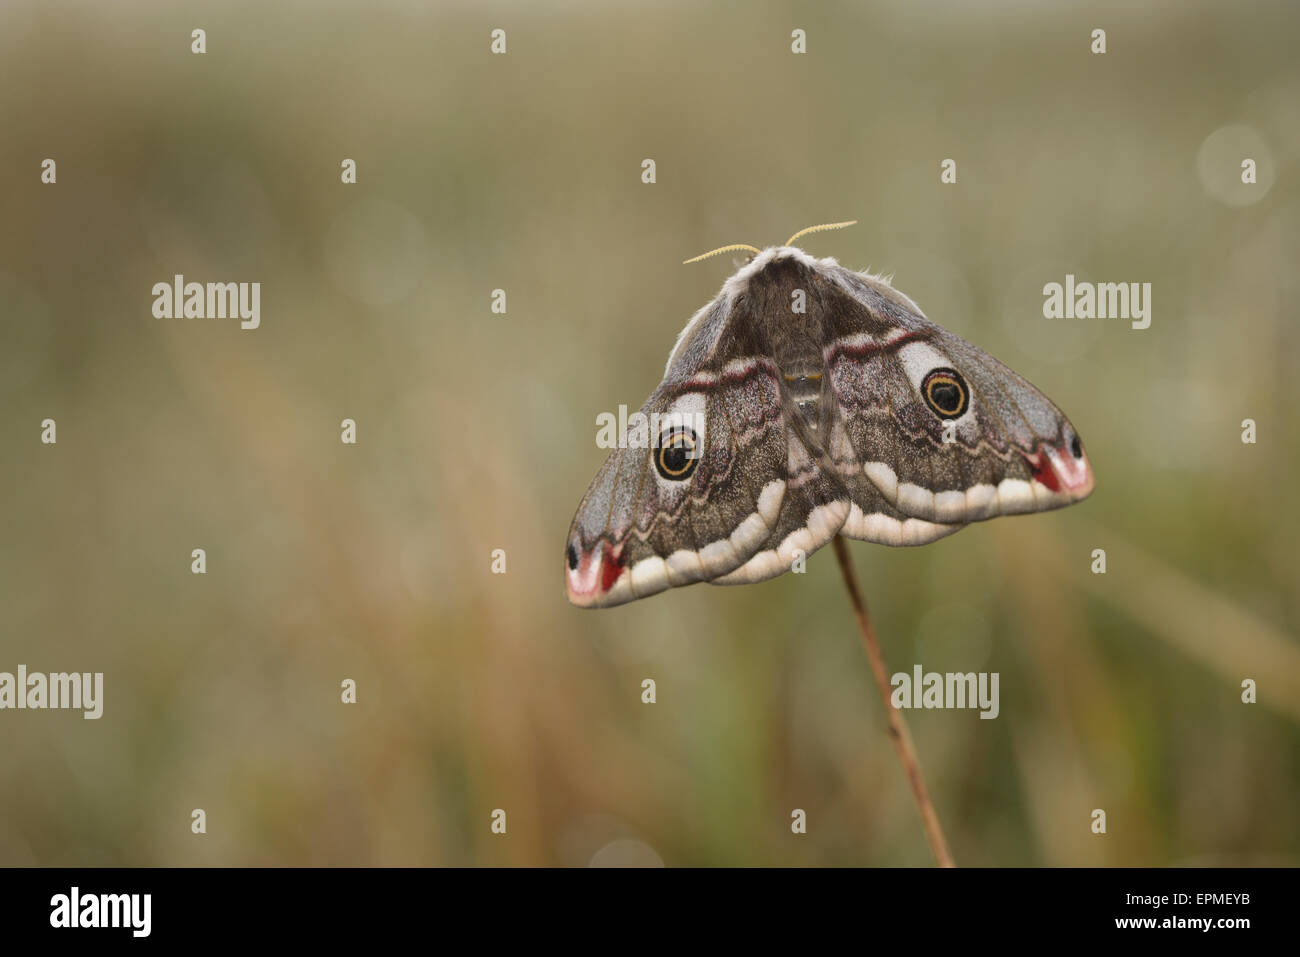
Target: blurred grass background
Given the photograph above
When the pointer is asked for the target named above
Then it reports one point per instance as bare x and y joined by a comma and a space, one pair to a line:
522, 172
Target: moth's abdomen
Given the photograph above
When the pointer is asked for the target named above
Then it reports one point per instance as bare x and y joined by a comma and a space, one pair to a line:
805, 391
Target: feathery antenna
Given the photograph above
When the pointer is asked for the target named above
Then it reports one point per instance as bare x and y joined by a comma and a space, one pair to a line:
720, 250
755, 250
819, 229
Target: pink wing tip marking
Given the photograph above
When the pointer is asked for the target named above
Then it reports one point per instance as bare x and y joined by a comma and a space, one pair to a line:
595, 574
1056, 469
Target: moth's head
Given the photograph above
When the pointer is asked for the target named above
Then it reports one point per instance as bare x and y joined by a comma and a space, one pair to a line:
767, 265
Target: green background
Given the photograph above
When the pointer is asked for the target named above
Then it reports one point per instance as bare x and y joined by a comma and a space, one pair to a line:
475, 432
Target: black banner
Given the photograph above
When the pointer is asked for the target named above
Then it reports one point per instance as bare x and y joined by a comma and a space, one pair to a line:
330, 906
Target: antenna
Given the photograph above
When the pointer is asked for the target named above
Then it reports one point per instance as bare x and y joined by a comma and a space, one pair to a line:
819, 229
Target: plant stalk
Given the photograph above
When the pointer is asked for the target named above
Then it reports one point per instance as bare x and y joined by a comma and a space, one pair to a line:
897, 726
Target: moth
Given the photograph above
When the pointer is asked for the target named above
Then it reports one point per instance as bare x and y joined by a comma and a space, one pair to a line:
805, 401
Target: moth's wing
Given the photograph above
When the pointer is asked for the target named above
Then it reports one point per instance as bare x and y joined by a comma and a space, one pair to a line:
813, 511
874, 517
638, 530
937, 447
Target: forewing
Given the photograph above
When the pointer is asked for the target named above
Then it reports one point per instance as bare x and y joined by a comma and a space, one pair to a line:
942, 430
650, 521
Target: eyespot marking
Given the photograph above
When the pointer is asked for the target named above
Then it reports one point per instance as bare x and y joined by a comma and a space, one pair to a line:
677, 455
946, 393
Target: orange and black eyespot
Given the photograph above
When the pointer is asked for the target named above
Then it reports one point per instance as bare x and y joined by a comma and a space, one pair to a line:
945, 392
677, 455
